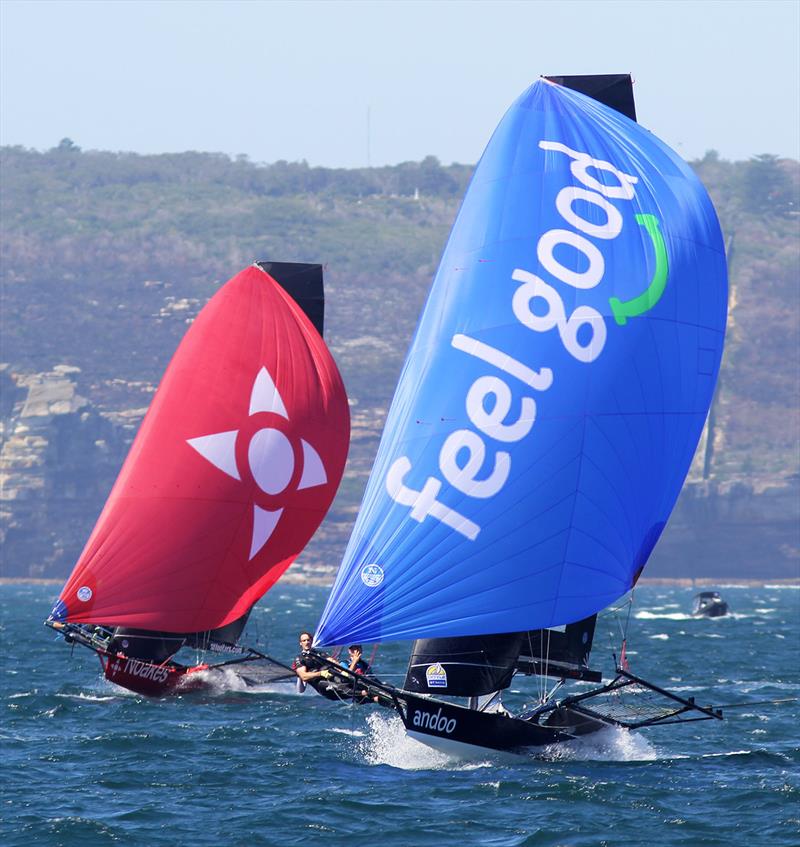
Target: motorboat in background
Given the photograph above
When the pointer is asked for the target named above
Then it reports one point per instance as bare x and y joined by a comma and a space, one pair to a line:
709, 604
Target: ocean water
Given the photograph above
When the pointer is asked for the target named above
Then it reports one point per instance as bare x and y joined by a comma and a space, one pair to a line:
85, 763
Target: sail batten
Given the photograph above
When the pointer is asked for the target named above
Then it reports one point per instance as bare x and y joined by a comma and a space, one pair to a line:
555, 388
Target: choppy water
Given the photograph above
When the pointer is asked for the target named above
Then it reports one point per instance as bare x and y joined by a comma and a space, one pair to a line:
85, 763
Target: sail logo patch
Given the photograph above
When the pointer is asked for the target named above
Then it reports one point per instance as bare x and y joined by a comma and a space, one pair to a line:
270, 458
436, 676
84, 594
435, 721
372, 575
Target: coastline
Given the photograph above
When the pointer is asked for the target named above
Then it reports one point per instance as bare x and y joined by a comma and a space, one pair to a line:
302, 579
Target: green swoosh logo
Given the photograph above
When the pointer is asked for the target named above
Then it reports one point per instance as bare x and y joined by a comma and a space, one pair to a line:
648, 298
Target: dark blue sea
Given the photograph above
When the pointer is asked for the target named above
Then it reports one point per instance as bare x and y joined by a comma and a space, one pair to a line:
85, 763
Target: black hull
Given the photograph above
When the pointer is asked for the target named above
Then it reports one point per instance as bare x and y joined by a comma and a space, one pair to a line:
718, 610
627, 701
456, 729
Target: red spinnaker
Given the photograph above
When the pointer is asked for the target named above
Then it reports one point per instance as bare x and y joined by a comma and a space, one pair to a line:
235, 465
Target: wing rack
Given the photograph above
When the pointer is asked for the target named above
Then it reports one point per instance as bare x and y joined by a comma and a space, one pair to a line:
631, 702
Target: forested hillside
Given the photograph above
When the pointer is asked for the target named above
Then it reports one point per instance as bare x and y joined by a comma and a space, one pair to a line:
107, 256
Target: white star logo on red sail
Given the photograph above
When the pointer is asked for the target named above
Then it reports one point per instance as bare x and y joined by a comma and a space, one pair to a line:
269, 455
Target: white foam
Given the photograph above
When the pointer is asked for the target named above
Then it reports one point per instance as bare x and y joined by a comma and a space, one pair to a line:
669, 616
613, 745
91, 698
386, 743
226, 680
725, 755
352, 733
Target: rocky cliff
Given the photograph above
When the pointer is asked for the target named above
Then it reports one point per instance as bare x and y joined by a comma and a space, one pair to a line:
60, 456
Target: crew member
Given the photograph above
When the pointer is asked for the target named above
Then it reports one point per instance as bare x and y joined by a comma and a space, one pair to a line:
311, 669
356, 663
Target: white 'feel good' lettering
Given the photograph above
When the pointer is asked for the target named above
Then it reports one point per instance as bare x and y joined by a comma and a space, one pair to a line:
464, 452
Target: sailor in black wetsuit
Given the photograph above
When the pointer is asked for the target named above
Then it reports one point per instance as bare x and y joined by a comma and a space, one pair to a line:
312, 669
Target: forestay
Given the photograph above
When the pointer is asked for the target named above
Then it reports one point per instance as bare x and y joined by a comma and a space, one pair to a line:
554, 392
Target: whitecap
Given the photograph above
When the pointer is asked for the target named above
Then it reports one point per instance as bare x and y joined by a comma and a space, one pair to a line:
670, 616
661, 636
90, 698
756, 685
723, 755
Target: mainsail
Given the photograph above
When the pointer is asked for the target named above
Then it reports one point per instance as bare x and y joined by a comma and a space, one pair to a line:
555, 390
236, 463
469, 666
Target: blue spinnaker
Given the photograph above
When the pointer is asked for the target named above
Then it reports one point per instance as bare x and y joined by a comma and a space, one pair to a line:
555, 390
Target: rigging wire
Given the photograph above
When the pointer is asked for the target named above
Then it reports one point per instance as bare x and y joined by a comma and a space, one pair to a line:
623, 630
546, 667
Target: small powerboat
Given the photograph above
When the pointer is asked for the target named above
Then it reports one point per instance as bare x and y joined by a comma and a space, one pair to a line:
708, 604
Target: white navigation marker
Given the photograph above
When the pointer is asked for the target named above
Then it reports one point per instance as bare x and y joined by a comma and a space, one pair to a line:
265, 396
219, 449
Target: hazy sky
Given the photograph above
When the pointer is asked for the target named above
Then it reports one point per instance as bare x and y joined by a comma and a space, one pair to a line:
297, 80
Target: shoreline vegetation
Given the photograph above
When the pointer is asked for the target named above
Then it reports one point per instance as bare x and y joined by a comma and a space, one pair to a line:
131, 246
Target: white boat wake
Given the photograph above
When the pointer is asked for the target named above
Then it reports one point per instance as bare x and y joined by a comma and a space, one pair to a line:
386, 743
